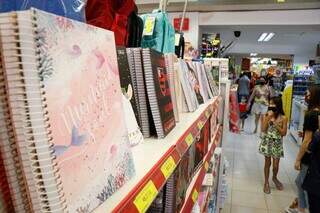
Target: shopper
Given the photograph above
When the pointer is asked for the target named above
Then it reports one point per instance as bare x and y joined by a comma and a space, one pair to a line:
243, 96
312, 181
243, 87
274, 126
260, 96
310, 125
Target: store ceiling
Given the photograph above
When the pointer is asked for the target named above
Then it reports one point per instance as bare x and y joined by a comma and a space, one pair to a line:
229, 5
300, 41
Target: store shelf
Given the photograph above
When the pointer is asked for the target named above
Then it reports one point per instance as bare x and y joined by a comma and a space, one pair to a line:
196, 183
155, 160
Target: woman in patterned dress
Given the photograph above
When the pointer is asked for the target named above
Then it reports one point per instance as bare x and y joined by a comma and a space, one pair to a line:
274, 127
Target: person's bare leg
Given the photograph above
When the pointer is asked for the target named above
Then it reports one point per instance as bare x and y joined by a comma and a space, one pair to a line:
261, 121
256, 123
242, 123
275, 170
267, 165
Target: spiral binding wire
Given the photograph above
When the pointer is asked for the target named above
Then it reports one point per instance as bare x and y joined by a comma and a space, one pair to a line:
45, 169
9, 150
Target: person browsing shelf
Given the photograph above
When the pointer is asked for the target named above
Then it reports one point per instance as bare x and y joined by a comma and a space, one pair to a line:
310, 126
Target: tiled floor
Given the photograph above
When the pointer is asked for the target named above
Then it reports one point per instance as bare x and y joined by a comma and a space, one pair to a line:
245, 175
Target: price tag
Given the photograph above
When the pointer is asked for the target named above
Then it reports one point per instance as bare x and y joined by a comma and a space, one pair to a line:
149, 26
206, 166
207, 114
189, 139
195, 195
177, 39
168, 167
144, 199
200, 125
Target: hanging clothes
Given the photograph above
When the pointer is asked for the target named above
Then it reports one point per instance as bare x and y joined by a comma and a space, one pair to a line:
162, 38
135, 29
112, 15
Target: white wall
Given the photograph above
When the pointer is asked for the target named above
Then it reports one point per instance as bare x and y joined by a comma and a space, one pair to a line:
192, 35
281, 17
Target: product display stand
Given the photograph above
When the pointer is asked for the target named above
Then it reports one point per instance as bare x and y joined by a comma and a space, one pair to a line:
225, 93
156, 160
196, 183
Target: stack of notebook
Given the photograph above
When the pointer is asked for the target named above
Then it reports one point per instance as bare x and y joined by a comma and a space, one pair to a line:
62, 120
158, 90
129, 98
136, 68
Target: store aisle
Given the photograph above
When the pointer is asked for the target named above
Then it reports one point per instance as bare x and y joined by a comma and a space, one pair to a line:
245, 175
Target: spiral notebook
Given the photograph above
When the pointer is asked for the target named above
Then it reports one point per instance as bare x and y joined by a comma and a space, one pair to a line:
170, 59
158, 91
66, 119
137, 69
188, 91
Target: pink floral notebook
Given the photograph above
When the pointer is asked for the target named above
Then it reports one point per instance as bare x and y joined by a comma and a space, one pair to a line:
72, 126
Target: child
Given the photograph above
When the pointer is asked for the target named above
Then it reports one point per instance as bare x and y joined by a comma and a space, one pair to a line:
243, 111
274, 127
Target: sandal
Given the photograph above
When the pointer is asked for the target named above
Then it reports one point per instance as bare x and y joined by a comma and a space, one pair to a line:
266, 189
278, 184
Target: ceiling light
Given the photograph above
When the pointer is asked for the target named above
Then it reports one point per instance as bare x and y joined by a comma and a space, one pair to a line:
253, 54
269, 37
262, 36
281, 1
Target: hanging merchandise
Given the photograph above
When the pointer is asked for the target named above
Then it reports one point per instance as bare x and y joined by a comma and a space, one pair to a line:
135, 29
73, 9
158, 32
117, 16
179, 45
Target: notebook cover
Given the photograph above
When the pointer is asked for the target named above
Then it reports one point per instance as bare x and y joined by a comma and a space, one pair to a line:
147, 125
194, 82
126, 80
5, 197
188, 92
206, 80
130, 57
182, 182
162, 89
83, 94
170, 58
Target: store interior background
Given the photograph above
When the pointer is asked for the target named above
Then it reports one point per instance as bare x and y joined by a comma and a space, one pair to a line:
296, 28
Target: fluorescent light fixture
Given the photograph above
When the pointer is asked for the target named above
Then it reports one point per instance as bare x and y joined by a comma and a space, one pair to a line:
269, 37
262, 36
265, 37
281, 1
253, 54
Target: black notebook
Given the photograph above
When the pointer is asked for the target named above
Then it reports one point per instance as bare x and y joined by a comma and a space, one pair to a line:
158, 91
126, 79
